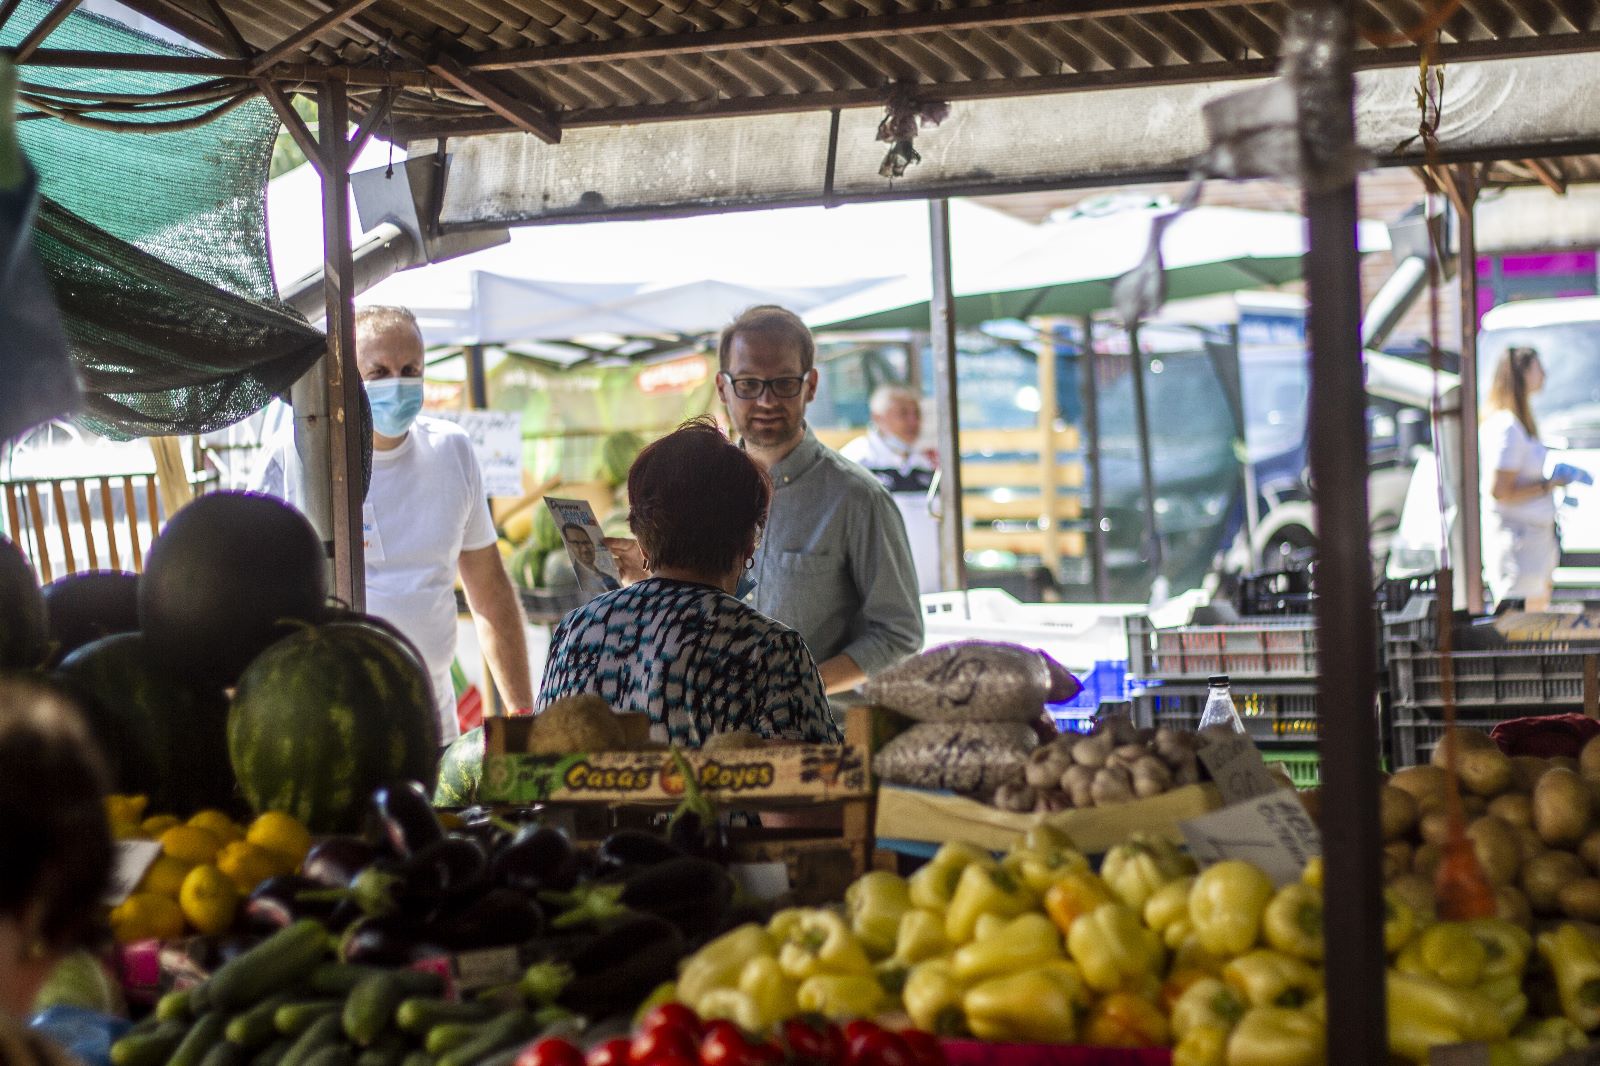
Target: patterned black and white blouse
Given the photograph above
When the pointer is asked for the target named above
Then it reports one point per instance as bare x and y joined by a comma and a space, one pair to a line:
695, 659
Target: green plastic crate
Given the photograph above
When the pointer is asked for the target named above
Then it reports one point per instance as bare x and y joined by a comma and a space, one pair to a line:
1304, 767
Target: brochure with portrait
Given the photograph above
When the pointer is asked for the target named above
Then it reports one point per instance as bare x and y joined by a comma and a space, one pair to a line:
586, 546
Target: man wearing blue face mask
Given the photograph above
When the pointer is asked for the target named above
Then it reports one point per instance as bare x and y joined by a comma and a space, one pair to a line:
426, 519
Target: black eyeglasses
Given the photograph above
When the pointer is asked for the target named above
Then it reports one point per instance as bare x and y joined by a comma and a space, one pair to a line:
751, 388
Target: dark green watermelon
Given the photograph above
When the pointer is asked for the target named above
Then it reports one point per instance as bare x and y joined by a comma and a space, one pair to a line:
161, 736
81, 608
23, 641
228, 576
326, 715
460, 770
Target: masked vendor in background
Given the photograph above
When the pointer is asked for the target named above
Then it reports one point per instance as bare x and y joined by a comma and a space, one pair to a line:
891, 452
426, 520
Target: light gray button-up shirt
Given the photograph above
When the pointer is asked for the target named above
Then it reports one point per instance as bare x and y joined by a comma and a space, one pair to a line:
834, 562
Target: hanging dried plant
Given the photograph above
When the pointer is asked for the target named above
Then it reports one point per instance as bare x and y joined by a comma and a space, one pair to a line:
904, 114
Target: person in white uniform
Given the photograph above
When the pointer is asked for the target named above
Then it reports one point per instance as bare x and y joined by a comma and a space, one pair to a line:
1519, 532
889, 452
426, 519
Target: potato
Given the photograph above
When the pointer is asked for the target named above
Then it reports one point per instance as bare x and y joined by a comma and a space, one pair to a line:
1589, 758
1589, 849
1546, 875
1423, 782
1566, 762
1528, 842
1434, 828
1396, 859
1485, 771
1397, 812
1473, 805
1416, 891
1561, 808
1526, 771
1465, 740
1513, 808
1581, 899
1512, 905
1425, 861
1496, 848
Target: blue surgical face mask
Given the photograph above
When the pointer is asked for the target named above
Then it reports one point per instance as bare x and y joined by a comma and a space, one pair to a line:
396, 402
746, 586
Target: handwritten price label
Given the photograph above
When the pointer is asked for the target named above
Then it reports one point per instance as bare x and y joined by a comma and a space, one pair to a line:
1272, 832
132, 862
1236, 766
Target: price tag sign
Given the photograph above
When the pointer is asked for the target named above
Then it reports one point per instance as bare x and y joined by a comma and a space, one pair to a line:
1236, 766
487, 968
1272, 832
131, 862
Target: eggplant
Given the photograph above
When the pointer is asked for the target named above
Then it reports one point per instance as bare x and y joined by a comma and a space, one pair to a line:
691, 893
619, 967
499, 916
448, 867
394, 940
628, 849
277, 902
692, 834
335, 862
401, 818
540, 858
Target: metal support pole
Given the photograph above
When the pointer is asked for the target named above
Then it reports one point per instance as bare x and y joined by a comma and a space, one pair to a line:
1346, 640
942, 311
1147, 476
341, 380
1049, 519
477, 383
1463, 186
1088, 368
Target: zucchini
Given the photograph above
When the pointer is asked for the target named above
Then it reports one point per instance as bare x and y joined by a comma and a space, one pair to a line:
508, 1030
199, 1039
255, 1027
150, 1048
417, 1058
417, 1015
370, 1007
442, 1038
390, 1050
225, 1053
174, 1006
324, 1032
273, 1053
341, 978
292, 1019
333, 1055
283, 960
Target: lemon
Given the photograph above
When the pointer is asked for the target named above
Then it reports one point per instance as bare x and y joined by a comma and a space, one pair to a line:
146, 916
165, 876
247, 865
283, 835
224, 827
157, 824
208, 900
191, 844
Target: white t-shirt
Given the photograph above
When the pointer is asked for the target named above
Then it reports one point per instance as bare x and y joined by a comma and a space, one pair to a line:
1505, 445
907, 473
425, 507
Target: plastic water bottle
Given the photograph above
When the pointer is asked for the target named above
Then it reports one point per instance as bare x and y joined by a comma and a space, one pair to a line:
1220, 710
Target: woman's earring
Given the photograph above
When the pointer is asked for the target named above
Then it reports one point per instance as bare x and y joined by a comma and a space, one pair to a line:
750, 563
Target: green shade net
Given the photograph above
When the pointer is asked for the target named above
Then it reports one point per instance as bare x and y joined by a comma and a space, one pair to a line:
155, 246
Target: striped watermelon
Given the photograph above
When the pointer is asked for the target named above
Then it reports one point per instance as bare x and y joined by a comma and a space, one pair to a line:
460, 770
323, 717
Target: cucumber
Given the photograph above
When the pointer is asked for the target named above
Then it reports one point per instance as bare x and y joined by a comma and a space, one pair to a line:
416, 1016
508, 1030
296, 1017
150, 1048
200, 1038
174, 1006
273, 1053
390, 1050
333, 1055
417, 1058
370, 1007
442, 1038
341, 978
281, 961
324, 1032
255, 1027
225, 1053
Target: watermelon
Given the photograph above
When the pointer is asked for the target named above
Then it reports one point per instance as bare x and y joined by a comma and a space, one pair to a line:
85, 607
546, 535
460, 770
228, 576
617, 453
22, 619
161, 736
326, 715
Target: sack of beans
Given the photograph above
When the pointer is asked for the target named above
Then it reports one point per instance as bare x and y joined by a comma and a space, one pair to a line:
972, 681
971, 757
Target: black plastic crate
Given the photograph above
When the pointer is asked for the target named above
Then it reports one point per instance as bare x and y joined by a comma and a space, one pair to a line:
1266, 718
1276, 592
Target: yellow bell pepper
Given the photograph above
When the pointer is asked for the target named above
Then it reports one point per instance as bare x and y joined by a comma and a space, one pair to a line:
1268, 978
1075, 895
1507, 995
1426, 1011
1447, 951
1021, 943
1039, 868
1168, 908
932, 996
1277, 1036
920, 936
771, 990
1207, 1004
1226, 906
932, 886
841, 996
1312, 874
1399, 923
1574, 961
1205, 1046
876, 902
1543, 1042
720, 962
1113, 948
734, 1005
1136, 868
984, 889
1045, 837
1506, 946
1125, 1020
1038, 1005
819, 942
1292, 922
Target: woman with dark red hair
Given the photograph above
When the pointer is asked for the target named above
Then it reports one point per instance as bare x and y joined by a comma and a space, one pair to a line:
678, 645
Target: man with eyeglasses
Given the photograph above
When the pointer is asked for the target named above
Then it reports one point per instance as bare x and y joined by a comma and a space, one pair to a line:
833, 562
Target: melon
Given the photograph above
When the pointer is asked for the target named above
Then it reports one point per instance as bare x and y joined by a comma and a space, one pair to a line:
22, 616
617, 453
326, 715
161, 736
224, 578
82, 608
460, 770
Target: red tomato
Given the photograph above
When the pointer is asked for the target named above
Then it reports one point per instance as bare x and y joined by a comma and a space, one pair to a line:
610, 1053
924, 1047
804, 1041
858, 1027
724, 1045
675, 1014
833, 1043
877, 1048
664, 1041
550, 1052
